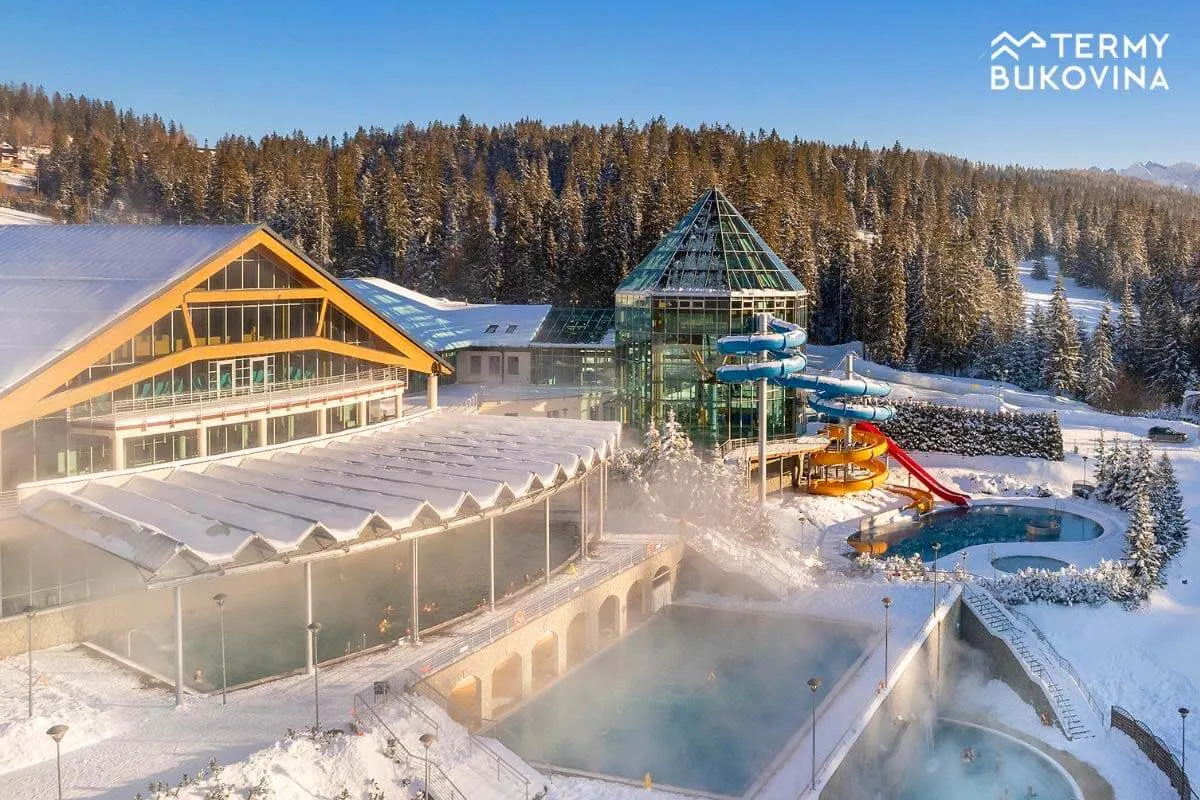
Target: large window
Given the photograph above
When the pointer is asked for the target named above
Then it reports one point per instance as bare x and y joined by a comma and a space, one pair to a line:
229, 323
161, 448
230, 438
342, 418
255, 270
292, 427
381, 410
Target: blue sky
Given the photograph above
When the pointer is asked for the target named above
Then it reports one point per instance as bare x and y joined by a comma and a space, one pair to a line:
874, 71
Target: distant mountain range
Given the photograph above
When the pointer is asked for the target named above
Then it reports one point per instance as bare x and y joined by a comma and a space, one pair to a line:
1183, 175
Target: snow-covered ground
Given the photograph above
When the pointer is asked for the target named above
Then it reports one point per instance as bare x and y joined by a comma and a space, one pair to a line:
1086, 303
10, 216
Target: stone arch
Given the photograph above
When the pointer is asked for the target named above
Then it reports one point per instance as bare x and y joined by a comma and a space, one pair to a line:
506, 683
543, 659
636, 602
466, 701
608, 618
578, 635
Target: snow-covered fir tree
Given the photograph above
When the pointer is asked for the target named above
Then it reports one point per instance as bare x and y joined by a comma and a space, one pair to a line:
1142, 550
1062, 363
1039, 271
1100, 372
1166, 502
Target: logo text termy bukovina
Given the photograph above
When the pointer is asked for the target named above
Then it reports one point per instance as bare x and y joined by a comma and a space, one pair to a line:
1077, 62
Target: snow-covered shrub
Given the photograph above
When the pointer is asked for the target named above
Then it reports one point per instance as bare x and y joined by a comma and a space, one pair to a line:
899, 568
666, 477
1108, 580
975, 432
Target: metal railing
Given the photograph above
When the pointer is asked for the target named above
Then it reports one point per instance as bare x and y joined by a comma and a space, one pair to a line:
440, 786
273, 391
1155, 749
997, 620
1062, 662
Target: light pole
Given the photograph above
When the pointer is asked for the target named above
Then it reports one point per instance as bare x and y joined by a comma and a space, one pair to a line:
220, 598
813, 685
29, 612
937, 629
57, 733
1183, 779
314, 628
427, 739
887, 604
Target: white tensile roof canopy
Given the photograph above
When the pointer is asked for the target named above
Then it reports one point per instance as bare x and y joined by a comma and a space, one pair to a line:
437, 471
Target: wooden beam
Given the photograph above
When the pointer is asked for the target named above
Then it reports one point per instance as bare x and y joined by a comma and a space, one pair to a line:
78, 394
187, 323
198, 296
321, 316
18, 402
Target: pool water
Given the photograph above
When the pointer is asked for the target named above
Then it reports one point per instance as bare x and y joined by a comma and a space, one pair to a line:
1003, 769
984, 524
1018, 563
699, 698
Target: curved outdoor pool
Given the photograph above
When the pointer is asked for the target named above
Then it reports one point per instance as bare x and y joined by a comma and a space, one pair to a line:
968, 761
985, 524
1018, 563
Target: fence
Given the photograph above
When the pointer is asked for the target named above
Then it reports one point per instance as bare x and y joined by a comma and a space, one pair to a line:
1155, 749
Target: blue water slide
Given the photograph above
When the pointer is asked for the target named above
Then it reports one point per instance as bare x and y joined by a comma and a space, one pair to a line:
785, 367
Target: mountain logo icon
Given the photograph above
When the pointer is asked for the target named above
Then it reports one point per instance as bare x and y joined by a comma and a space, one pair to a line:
1010, 45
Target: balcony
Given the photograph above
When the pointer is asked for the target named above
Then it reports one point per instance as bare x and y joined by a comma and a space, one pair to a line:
302, 394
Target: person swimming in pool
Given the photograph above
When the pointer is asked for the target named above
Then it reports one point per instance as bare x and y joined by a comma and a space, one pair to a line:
712, 676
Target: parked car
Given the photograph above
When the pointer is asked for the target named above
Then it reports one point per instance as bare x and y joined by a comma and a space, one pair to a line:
1161, 433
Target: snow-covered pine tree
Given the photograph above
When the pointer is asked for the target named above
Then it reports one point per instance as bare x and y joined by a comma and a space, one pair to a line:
1115, 489
1139, 473
1129, 338
1142, 550
1100, 373
1102, 476
1062, 365
1039, 272
1166, 502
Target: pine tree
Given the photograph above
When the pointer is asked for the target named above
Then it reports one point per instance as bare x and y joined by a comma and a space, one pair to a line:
1061, 368
1100, 373
1142, 550
1102, 477
1166, 501
1129, 337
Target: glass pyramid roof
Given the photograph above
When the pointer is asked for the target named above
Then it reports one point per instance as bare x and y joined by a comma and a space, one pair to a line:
713, 250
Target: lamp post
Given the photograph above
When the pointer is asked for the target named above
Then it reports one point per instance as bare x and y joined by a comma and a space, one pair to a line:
1183, 779
813, 685
427, 739
29, 612
937, 549
314, 628
220, 598
887, 604
57, 733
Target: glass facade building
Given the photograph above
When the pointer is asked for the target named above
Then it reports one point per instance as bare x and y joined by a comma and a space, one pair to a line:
705, 279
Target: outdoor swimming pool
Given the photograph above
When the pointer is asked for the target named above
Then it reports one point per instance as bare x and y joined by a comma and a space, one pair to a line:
1018, 563
1002, 768
699, 698
985, 524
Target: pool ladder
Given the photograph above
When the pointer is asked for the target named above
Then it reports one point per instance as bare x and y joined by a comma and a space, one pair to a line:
1000, 623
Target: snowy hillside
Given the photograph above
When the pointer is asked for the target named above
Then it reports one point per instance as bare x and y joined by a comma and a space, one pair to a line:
1086, 303
10, 216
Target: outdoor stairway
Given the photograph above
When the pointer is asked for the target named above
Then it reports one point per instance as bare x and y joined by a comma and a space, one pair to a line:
1033, 657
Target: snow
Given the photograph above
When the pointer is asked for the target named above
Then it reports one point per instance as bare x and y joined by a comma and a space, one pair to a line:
11, 216
1086, 303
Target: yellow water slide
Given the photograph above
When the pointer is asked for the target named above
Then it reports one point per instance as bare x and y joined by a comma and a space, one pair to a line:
846, 469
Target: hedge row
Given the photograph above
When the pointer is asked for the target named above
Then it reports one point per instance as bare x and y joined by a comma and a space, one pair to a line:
975, 432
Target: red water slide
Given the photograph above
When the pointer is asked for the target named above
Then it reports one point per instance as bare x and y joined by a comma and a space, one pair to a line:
909, 463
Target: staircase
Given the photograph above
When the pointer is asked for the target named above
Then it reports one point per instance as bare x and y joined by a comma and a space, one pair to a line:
1033, 658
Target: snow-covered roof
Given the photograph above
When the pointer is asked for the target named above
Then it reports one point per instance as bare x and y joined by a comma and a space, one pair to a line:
439, 470
445, 325
60, 284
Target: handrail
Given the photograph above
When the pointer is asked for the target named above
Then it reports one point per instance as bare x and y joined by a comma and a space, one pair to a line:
436, 773
189, 398
1062, 662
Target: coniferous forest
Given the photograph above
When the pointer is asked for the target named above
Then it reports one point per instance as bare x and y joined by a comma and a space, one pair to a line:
914, 253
